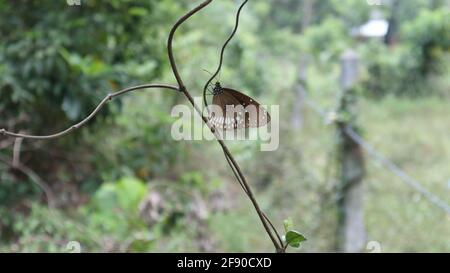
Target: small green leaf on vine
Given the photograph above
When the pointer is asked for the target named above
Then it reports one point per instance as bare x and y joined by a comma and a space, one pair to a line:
294, 238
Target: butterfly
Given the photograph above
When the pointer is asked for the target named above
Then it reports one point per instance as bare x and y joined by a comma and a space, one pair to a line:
233, 110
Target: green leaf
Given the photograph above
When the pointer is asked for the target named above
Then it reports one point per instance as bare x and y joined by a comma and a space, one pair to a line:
294, 238
137, 11
288, 224
130, 192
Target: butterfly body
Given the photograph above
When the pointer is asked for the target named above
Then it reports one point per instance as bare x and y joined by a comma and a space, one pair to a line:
234, 110
218, 89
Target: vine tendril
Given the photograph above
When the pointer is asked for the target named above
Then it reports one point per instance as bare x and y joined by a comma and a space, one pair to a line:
222, 52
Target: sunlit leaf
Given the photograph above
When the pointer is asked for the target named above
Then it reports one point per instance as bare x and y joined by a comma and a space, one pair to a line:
294, 238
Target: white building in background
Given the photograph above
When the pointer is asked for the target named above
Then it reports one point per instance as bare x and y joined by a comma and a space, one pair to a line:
377, 27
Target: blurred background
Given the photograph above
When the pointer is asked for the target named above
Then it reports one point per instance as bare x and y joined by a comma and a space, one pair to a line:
364, 156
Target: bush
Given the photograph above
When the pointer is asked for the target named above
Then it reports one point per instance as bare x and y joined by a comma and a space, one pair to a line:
416, 68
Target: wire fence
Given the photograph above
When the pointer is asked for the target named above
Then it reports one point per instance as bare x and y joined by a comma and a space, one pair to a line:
383, 160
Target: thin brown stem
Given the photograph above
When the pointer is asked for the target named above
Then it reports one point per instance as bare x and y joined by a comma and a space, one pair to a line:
36, 179
246, 192
181, 87
48, 192
236, 174
273, 228
264, 221
108, 98
222, 52
170, 41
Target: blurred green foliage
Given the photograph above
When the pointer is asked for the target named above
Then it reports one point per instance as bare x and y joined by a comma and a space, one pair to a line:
59, 61
418, 66
123, 184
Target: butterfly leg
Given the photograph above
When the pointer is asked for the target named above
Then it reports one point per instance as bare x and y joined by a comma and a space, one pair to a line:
211, 91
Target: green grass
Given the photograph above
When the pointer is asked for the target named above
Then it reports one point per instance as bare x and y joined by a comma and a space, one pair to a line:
413, 133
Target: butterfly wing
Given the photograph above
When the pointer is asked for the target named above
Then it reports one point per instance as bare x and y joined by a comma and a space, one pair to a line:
224, 119
256, 115
238, 111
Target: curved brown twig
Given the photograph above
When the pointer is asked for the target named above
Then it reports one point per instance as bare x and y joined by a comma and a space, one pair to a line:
276, 239
234, 165
170, 40
36, 179
88, 118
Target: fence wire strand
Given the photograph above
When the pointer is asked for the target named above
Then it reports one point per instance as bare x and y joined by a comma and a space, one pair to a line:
383, 160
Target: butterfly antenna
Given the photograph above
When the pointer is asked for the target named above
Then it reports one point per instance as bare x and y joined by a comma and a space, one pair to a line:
209, 83
207, 72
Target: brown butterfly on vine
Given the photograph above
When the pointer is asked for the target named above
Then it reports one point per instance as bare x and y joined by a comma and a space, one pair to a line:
234, 110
